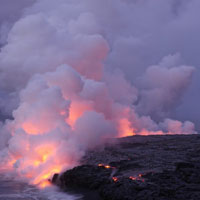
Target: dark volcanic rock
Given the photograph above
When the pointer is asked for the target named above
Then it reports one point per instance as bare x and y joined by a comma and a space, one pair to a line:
125, 165
165, 185
55, 178
144, 168
99, 178
123, 189
86, 176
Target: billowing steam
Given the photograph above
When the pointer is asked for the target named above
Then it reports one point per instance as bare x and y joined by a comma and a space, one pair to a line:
59, 74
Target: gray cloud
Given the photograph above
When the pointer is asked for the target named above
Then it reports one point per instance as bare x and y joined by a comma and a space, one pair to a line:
10, 11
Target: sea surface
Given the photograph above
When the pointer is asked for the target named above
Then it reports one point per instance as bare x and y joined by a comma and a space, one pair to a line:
12, 189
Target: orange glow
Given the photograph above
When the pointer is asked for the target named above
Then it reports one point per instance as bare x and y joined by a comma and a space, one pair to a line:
44, 151
115, 179
30, 128
139, 178
44, 184
8, 166
42, 180
76, 110
105, 166
11, 163
40, 158
146, 132
133, 178
36, 163
125, 129
29, 175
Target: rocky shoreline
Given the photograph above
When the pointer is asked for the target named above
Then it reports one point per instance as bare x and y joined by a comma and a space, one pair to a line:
138, 167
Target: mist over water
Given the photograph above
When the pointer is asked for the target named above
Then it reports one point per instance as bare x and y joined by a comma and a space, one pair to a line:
75, 73
13, 189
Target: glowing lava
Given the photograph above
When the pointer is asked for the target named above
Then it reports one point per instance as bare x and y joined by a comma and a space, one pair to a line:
115, 179
44, 184
133, 178
105, 166
137, 178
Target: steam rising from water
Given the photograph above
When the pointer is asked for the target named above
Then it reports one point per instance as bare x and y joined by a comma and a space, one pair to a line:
59, 70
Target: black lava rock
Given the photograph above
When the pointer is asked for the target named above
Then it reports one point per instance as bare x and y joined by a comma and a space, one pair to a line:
86, 176
182, 183
174, 162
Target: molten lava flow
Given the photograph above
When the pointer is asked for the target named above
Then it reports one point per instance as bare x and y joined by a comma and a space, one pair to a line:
133, 178
137, 178
43, 179
105, 166
44, 184
115, 179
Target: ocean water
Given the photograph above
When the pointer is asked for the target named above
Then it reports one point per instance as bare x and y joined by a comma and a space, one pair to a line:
12, 189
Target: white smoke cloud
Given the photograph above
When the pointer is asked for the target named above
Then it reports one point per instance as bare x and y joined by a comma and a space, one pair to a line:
163, 85
177, 127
